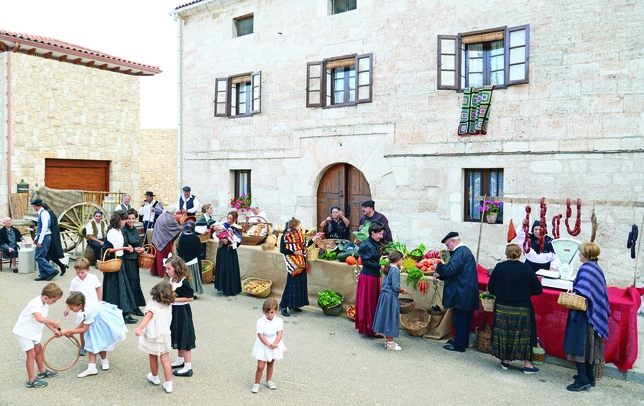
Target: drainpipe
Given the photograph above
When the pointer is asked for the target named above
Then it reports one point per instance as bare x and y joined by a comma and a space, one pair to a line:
179, 106
8, 126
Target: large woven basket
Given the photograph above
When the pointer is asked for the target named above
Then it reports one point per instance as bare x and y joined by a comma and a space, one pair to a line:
416, 322
207, 276
327, 244
572, 301
407, 304
205, 236
254, 239
333, 310
146, 259
312, 253
111, 265
351, 311
483, 339
261, 293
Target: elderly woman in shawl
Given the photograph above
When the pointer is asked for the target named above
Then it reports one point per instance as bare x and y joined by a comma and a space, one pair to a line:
536, 258
165, 230
293, 247
587, 330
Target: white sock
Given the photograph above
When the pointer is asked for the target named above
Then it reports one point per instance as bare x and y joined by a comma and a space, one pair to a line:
186, 368
154, 379
179, 361
91, 367
168, 386
104, 361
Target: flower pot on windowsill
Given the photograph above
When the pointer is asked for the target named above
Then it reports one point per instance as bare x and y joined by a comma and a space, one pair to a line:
491, 218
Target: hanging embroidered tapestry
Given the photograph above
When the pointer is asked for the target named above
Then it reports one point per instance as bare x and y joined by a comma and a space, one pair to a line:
475, 112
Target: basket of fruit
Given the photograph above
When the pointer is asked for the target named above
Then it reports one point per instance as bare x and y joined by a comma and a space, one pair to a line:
351, 311
207, 269
257, 287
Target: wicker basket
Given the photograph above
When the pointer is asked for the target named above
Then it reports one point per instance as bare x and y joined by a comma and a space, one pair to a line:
207, 276
254, 239
538, 353
483, 339
312, 253
327, 244
111, 265
146, 259
416, 322
262, 293
205, 236
488, 304
416, 258
572, 301
407, 304
333, 310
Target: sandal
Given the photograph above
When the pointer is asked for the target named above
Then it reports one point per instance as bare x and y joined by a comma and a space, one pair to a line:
36, 383
46, 374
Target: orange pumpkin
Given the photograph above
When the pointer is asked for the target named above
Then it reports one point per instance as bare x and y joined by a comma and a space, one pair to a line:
351, 260
359, 261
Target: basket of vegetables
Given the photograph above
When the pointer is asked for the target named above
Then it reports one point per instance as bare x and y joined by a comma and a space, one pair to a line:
327, 255
416, 322
330, 302
257, 287
351, 311
487, 300
417, 254
207, 269
407, 304
416, 279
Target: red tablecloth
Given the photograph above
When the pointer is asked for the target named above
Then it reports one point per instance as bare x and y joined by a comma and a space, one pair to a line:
620, 348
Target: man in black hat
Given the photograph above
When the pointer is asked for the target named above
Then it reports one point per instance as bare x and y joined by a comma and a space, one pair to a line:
43, 240
188, 203
461, 289
368, 209
150, 210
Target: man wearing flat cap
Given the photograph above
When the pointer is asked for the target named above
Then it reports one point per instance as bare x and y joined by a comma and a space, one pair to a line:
461, 290
368, 209
96, 233
188, 203
43, 241
150, 211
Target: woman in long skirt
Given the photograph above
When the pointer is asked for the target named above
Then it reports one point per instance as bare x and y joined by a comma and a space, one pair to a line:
515, 332
227, 275
587, 330
368, 289
166, 230
116, 285
189, 249
293, 247
131, 260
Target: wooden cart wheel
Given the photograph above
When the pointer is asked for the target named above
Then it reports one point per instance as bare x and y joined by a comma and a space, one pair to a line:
59, 367
72, 221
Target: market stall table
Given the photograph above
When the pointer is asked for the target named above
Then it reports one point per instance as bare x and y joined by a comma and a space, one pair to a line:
620, 348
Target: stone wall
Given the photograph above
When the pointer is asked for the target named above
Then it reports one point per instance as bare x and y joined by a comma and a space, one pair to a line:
573, 131
4, 190
159, 165
62, 110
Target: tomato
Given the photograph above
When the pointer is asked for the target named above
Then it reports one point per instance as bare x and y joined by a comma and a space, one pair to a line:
359, 261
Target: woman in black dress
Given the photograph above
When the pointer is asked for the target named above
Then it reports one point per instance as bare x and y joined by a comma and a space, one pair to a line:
293, 247
227, 276
131, 260
515, 328
336, 226
189, 249
182, 330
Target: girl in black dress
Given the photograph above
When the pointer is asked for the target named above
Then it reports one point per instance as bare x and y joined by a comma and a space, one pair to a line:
182, 330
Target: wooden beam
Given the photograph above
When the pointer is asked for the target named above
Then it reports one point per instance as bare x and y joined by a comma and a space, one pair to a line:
62, 58
48, 55
31, 51
573, 201
103, 66
77, 61
115, 69
16, 47
90, 64
3, 47
127, 72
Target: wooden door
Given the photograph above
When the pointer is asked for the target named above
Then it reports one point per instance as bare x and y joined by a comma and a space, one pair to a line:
344, 186
359, 191
77, 174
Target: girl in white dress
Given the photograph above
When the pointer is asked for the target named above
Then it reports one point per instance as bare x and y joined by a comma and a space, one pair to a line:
268, 345
154, 332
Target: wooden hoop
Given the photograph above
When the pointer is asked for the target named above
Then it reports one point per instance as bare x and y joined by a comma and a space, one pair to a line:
44, 359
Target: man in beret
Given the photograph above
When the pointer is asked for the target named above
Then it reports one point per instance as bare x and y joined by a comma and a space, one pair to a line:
43, 240
461, 289
368, 209
188, 203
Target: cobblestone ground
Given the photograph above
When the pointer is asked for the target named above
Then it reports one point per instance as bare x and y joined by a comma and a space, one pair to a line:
326, 362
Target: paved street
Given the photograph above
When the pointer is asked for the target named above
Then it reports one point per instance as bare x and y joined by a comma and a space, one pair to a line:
326, 362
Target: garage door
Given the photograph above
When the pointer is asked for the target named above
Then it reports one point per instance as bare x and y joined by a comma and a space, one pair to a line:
77, 174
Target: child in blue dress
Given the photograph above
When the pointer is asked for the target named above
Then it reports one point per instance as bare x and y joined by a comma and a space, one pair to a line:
103, 326
268, 345
387, 318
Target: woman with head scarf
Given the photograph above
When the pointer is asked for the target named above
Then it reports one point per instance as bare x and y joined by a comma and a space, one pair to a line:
536, 258
165, 231
189, 249
336, 226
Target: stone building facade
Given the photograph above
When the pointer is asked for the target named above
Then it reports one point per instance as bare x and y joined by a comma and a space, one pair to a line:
158, 170
572, 130
62, 101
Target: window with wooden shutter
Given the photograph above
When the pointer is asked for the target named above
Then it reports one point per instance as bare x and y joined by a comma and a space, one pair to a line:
364, 77
517, 46
447, 62
340, 81
314, 84
256, 92
482, 182
222, 105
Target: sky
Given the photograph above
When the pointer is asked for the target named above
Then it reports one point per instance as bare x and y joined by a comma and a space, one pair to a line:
138, 30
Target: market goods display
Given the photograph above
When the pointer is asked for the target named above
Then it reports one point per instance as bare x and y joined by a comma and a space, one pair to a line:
416, 322
257, 287
330, 302
416, 279
363, 233
487, 300
351, 311
207, 269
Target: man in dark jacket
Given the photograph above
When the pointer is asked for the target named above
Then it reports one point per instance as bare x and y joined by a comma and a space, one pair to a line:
461, 290
9, 239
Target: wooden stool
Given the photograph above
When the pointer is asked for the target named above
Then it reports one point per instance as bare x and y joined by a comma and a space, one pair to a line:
89, 254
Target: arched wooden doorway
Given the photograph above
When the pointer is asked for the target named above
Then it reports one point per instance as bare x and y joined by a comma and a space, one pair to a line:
342, 185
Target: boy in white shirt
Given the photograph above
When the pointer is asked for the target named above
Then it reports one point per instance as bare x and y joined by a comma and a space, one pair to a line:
28, 332
89, 285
